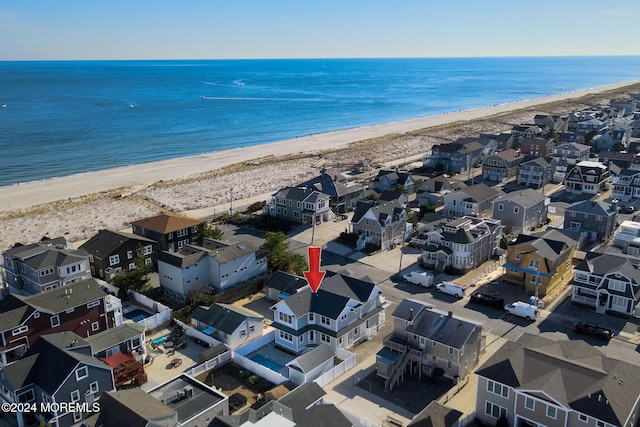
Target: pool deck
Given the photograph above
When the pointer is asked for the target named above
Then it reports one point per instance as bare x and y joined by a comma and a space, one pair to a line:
274, 355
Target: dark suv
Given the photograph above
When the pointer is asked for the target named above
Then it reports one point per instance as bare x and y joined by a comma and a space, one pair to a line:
593, 329
486, 299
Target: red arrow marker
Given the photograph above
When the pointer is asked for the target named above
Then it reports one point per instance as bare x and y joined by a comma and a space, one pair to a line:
314, 275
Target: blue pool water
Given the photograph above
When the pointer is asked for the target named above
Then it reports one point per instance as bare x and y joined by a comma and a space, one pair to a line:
258, 358
137, 315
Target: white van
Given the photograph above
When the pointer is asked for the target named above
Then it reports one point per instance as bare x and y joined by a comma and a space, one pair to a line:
522, 309
451, 288
420, 278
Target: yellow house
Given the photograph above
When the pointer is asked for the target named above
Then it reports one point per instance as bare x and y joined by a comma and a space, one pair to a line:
539, 264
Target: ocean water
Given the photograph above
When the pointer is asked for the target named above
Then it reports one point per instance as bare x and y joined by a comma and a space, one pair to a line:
64, 117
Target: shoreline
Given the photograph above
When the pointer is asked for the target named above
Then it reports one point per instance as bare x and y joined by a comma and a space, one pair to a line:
25, 195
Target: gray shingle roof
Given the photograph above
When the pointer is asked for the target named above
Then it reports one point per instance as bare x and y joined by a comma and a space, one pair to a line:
572, 372
481, 192
436, 415
302, 397
114, 336
134, 408
285, 282
440, 327
326, 184
527, 197
311, 360
106, 242
64, 297
592, 208
381, 211
223, 317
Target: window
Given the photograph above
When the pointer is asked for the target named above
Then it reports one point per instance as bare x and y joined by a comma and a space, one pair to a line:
286, 336
529, 403
325, 338
183, 232
516, 209
55, 321
148, 250
494, 411
617, 285
449, 364
583, 418
325, 320
132, 266
69, 310
46, 271
517, 257
552, 412
194, 229
170, 235
95, 326
243, 333
114, 259
93, 304
36, 314
296, 214
252, 329
497, 388
600, 423
129, 254
450, 350
27, 396
77, 416
311, 318
500, 206
82, 373
75, 395
147, 261
94, 387
534, 264
284, 317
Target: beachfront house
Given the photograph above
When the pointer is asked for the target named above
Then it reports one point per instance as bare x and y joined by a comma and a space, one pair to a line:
520, 211
212, 267
458, 156
536, 172
55, 369
82, 307
383, 225
608, 283
112, 252
301, 205
538, 264
567, 155
462, 244
473, 201
172, 231
525, 131
344, 312
502, 165
343, 196
597, 220
233, 326
567, 383
43, 266
392, 180
426, 341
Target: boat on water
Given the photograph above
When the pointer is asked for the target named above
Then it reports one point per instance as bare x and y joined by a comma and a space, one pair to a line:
4, 105
203, 97
131, 106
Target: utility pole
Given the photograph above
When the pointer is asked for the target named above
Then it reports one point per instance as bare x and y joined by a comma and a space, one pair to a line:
230, 201
404, 228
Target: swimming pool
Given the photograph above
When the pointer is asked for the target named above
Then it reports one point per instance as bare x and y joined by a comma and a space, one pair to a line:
267, 363
137, 315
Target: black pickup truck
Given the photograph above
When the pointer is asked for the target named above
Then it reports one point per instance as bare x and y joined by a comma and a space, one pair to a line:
488, 300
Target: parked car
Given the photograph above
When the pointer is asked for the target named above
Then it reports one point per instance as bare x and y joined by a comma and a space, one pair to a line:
420, 278
451, 288
488, 300
522, 309
593, 329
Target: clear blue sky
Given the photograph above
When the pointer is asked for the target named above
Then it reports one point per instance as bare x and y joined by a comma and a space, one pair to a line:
146, 29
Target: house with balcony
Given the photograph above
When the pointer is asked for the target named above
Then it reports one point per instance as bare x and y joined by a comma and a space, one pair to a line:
113, 252
392, 180
233, 326
212, 267
536, 172
568, 154
590, 125
42, 266
539, 264
587, 177
502, 165
597, 220
526, 131
537, 147
429, 342
462, 244
521, 211
301, 205
472, 201
612, 136
344, 312
343, 196
82, 307
383, 225
431, 192
625, 186
608, 283
57, 369
627, 237
458, 156
569, 383
172, 231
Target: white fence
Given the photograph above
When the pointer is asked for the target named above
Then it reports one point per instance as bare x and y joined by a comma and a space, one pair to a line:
357, 420
239, 357
163, 313
252, 346
193, 332
348, 362
209, 364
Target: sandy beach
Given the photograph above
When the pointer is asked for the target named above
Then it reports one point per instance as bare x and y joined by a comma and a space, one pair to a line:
77, 206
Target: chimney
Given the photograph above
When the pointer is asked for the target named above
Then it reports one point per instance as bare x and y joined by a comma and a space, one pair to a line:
599, 398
